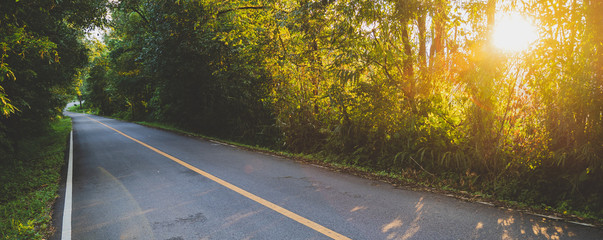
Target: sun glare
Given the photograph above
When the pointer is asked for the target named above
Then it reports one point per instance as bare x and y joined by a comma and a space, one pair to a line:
514, 33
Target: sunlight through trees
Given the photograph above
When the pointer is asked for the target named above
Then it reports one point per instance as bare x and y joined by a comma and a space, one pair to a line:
500, 96
503, 97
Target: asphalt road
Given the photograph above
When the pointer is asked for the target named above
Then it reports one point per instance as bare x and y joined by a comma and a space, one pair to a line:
135, 182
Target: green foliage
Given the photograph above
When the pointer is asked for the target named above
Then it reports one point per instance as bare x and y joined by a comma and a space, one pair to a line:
156, 69
40, 54
373, 84
29, 182
41, 50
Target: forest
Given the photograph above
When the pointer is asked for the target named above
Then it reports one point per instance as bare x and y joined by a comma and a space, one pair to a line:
436, 90
42, 49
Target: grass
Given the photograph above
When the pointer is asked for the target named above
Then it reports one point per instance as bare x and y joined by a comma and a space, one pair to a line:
29, 182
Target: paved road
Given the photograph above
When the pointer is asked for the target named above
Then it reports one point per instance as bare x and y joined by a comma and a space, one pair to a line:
134, 182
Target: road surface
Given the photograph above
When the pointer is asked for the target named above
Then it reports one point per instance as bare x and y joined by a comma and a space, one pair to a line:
135, 182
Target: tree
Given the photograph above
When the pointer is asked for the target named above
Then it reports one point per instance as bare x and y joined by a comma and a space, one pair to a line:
40, 51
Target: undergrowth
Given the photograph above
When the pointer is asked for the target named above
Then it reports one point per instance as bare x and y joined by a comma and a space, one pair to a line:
29, 181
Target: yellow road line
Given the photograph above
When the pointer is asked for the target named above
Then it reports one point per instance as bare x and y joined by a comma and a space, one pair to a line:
317, 227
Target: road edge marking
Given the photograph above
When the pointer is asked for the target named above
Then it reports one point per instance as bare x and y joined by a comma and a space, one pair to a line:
307, 222
66, 228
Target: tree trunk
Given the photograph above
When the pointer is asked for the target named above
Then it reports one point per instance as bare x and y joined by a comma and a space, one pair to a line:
439, 18
408, 70
596, 26
314, 60
422, 34
596, 22
408, 67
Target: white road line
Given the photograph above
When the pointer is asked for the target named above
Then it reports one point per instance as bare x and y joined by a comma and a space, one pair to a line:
66, 231
486, 203
583, 224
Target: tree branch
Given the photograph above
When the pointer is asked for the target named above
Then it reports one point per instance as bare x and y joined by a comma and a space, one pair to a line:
143, 17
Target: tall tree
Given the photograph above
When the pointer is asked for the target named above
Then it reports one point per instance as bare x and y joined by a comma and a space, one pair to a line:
41, 51
439, 21
421, 24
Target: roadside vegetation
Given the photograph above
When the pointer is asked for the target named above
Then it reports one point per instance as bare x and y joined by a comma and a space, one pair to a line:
411, 178
420, 90
42, 53
29, 180
424, 90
